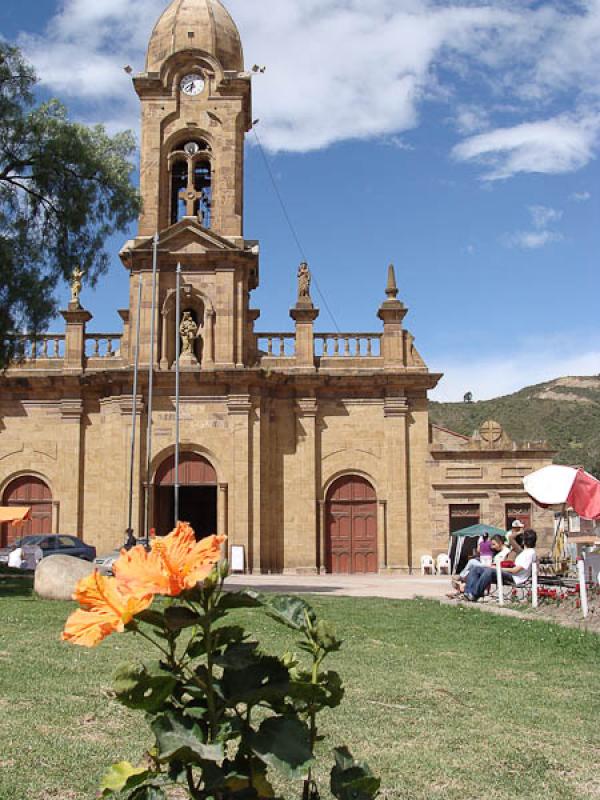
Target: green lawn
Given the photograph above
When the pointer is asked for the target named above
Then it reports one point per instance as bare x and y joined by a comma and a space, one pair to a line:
443, 702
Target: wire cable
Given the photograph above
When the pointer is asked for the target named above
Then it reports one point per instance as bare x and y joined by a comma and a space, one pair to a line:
292, 227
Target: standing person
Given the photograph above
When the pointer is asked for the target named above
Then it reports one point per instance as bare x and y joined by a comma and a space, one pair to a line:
481, 578
515, 539
15, 557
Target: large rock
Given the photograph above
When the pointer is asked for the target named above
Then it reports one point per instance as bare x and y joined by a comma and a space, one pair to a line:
57, 576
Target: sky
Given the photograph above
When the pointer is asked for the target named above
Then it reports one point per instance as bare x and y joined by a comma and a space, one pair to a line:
457, 139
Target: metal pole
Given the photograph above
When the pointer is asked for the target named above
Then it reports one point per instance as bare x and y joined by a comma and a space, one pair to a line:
150, 389
134, 409
177, 388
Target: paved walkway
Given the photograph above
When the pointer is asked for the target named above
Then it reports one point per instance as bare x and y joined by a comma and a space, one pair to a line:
398, 587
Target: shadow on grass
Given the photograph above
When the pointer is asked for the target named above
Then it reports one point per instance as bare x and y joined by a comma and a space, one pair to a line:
14, 583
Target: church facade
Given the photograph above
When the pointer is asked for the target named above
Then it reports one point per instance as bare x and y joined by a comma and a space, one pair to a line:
311, 450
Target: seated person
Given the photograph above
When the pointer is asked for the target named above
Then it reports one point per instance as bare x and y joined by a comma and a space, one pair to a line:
481, 578
500, 553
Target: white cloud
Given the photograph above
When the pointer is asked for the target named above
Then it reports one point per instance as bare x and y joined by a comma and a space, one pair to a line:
542, 216
562, 144
532, 240
496, 376
346, 69
580, 197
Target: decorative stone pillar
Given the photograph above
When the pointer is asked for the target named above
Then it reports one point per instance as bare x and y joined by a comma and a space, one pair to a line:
392, 313
76, 318
396, 454
208, 355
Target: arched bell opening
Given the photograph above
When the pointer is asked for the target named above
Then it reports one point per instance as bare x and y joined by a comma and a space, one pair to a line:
191, 181
197, 495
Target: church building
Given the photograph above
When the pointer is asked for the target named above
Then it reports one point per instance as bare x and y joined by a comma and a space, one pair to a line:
312, 451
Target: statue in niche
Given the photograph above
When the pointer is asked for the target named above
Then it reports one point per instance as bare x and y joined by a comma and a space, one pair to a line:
189, 332
304, 282
76, 284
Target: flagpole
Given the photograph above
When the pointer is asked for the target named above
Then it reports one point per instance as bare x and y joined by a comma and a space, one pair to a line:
150, 389
134, 411
177, 387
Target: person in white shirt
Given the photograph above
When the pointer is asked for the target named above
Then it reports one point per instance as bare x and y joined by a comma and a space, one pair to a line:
481, 578
501, 552
15, 558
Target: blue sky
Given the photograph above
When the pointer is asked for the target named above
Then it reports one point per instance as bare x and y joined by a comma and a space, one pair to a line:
458, 140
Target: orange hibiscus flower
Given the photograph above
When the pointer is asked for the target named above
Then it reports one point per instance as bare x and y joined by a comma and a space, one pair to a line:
106, 609
175, 563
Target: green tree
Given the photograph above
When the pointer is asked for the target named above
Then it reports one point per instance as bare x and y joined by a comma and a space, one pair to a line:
64, 189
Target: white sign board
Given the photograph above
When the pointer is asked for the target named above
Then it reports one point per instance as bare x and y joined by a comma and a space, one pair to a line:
238, 559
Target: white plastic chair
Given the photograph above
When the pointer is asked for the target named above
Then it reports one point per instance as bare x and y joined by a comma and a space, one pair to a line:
427, 564
443, 564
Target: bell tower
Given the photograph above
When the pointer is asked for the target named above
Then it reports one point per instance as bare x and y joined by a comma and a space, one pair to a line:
196, 104
196, 110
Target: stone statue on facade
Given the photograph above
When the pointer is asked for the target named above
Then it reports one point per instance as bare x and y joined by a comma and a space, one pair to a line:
189, 333
304, 282
76, 284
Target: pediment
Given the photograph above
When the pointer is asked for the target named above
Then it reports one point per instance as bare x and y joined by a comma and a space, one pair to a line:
187, 237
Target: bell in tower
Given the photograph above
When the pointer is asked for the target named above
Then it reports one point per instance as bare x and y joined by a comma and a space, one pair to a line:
196, 110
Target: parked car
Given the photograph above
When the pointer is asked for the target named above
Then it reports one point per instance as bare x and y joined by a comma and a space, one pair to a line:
104, 564
53, 545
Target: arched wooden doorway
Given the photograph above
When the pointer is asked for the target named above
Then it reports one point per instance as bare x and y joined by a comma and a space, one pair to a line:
197, 495
351, 527
28, 491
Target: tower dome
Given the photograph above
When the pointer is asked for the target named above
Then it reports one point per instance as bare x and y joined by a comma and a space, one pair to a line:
198, 25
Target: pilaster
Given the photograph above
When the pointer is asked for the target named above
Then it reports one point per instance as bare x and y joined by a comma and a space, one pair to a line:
302, 545
239, 408
71, 464
398, 529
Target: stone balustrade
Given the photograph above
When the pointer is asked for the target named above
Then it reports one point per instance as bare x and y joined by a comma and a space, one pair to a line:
276, 345
103, 345
43, 347
348, 345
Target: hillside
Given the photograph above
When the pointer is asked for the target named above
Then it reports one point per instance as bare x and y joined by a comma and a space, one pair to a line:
565, 412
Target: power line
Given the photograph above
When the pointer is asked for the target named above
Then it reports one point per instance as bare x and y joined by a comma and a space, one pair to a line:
292, 227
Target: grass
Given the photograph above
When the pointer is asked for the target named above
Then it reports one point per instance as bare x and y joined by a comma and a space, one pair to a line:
443, 702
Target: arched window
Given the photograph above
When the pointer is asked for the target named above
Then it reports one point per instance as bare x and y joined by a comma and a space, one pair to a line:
191, 182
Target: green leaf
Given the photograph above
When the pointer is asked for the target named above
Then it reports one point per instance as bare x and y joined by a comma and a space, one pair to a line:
244, 599
350, 780
148, 793
137, 688
154, 618
177, 618
290, 611
283, 743
122, 776
180, 738
327, 693
238, 656
324, 636
267, 679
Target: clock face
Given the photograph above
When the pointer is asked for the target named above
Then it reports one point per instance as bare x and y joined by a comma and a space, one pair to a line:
192, 84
